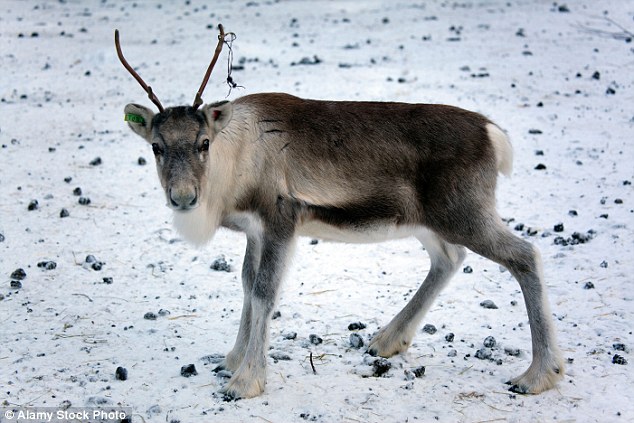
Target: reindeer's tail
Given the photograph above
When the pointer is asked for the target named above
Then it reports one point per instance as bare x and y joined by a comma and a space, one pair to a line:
503, 149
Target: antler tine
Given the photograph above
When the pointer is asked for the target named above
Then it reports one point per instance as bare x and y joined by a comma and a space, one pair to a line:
221, 39
136, 76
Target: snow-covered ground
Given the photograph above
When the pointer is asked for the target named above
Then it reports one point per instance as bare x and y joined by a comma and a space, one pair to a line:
557, 77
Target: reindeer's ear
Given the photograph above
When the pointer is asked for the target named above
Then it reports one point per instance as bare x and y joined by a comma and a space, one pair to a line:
139, 118
218, 114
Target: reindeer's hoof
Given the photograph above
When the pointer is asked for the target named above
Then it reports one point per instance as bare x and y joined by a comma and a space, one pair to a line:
243, 385
518, 389
387, 343
229, 397
537, 379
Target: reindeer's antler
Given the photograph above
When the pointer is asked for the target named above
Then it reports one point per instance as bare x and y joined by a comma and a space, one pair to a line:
221, 39
136, 76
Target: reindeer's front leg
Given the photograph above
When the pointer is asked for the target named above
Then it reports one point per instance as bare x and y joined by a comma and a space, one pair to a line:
250, 377
249, 272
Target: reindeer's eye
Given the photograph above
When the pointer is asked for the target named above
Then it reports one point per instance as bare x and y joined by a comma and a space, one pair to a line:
157, 149
204, 146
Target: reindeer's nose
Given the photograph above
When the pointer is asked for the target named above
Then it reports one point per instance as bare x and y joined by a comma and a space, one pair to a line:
183, 199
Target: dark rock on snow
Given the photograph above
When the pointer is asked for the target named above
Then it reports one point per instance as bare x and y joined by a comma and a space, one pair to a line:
188, 371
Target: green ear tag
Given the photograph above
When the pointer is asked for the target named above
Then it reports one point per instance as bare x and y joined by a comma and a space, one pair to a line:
131, 117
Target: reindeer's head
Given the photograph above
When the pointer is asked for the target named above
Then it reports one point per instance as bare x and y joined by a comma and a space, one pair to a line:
181, 137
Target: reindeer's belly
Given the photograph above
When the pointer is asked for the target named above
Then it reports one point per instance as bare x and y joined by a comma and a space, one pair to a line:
370, 233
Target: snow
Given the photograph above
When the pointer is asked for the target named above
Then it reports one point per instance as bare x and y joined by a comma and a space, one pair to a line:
528, 65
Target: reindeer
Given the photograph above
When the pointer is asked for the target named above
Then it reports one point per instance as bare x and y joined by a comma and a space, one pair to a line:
276, 167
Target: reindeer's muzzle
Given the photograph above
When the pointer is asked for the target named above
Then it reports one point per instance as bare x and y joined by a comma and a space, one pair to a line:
183, 199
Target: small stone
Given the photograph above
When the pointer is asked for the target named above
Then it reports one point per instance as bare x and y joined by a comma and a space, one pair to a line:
380, 366
16, 284
77, 191
96, 161
64, 213
562, 8
276, 315
534, 131
540, 166
33, 205
483, 354
430, 329
619, 347
220, 265
619, 359
91, 262
488, 304
356, 326
573, 213
449, 337
559, 227
452, 353
84, 201
68, 179
314, 242
596, 75
356, 341
18, 274
47, 265
315, 340
188, 370
121, 373
588, 285
141, 161
280, 356
108, 280
515, 352
290, 336
2, 238
604, 264
149, 315
618, 201
467, 269
489, 342
162, 312
419, 371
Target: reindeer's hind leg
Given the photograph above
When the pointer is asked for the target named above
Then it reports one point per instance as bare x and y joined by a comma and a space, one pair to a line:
445, 258
489, 237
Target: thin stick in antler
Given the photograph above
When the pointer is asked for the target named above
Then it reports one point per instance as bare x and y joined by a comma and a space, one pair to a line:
221, 39
136, 76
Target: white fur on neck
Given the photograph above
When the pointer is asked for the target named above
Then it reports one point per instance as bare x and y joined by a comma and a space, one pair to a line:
199, 225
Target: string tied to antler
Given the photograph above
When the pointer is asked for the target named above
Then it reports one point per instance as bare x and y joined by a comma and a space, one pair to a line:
198, 100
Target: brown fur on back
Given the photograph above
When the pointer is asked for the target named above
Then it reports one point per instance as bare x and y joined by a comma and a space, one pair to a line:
412, 154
